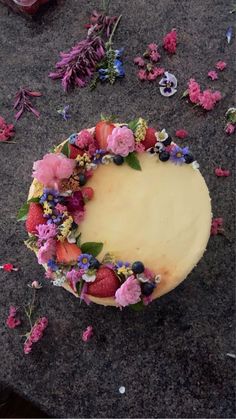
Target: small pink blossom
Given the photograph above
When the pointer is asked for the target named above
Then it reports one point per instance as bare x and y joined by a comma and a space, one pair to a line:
87, 334
139, 61
147, 299
220, 65
35, 284
142, 75
45, 232
152, 47
74, 276
193, 91
121, 141
217, 226
8, 267
47, 251
139, 147
52, 169
86, 142
158, 71
230, 128
208, 99
49, 274
12, 322
170, 42
129, 292
181, 133
61, 208
154, 56
222, 172
151, 76
212, 74
6, 131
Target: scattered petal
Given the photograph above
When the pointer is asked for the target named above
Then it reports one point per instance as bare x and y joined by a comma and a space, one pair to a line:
220, 65
170, 42
139, 61
23, 103
217, 226
181, 133
87, 334
6, 131
230, 355
212, 74
221, 172
8, 267
64, 112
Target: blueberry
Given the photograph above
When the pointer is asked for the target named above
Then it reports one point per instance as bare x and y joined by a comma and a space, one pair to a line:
94, 263
151, 150
164, 155
119, 160
167, 141
82, 179
147, 288
138, 267
188, 158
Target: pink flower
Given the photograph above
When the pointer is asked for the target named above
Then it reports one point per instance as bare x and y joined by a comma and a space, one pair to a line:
212, 74
49, 274
158, 71
6, 131
61, 208
74, 276
154, 56
45, 232
217, 226
147, 299
194, 91
121, 141
139, 147
35, 284
230, 128
220, 65
221, 172
208, 99
181, 133
151, 76
47, 251
52, 169
8, 267
83, 295
12, 321
75, 206
129, 292
152, 47
36, 334
86, 142
142, 75
139, 61
170, 42
87, 334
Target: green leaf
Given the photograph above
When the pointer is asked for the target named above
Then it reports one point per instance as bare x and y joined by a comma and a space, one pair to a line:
108, 118
23, 211
33, 200
65, 149
132, 161
79, 286
138, 306
92, 248
78, 240
133, 125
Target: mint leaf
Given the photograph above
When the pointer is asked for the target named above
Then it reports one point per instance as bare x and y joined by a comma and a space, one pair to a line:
92, 248
133, 125
79, 286
138, 306
65, 149
23, 211
132, 161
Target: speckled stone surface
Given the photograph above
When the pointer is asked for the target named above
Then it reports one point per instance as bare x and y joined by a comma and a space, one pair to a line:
171, 358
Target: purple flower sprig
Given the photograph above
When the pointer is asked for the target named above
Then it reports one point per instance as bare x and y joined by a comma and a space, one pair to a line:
23, 103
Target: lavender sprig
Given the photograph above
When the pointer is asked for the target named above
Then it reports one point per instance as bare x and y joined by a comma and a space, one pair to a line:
23, 103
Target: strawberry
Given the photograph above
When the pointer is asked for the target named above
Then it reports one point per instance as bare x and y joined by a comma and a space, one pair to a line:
67, 252
105, 284
34, 217
87, 193
102, 130
150, 138
74, 151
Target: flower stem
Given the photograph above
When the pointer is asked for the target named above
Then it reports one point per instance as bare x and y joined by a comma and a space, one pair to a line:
113, 30
31, 308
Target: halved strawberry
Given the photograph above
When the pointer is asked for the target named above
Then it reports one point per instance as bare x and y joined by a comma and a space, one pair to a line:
150, 138
34, 217
102, 130
105, 284
74, 151
67, 252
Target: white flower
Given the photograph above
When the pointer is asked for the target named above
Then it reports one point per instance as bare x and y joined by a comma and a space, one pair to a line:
142, 277
59, 281
89, 278
161, 136
91, 166
107, 159
157, 279
195, 165
168, 84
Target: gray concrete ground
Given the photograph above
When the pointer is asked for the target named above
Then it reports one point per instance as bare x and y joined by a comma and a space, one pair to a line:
171, 358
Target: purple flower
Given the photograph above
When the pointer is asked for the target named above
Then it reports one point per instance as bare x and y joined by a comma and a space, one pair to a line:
84, 261
177, 154
97, 158
75, 202
64, 112
78, 65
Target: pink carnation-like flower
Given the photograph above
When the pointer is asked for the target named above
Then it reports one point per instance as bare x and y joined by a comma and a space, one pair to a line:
193, 91
87, 334
181, 133
129, 292
212, 74
220, 65
230, 128
154, 56
121, 141
36, 334
86, 142
219, 172
142, 75
139, 61
208, 99
45, 232
152, 47
61, 208
47, 251
217, 226
170, 42
52, 169
12, 321
6, 131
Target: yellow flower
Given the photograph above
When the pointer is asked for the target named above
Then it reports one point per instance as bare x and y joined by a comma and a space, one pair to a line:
65, 229
46, 208
83, 160
124, 270
141, 129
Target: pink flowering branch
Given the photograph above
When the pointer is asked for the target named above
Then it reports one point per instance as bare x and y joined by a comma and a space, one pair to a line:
22, 102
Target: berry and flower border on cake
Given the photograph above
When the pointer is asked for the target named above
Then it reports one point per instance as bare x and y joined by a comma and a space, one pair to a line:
56, 207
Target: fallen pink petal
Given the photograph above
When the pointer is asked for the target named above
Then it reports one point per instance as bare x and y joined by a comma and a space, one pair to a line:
87, 334
8, 267
181, 133
6, 131
219, 172
230, 128
221, 65
212, 74
217, 226
22, 102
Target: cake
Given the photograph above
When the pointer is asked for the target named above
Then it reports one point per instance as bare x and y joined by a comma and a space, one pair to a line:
118, 214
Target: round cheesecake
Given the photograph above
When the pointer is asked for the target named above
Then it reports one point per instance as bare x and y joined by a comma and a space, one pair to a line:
160, 215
